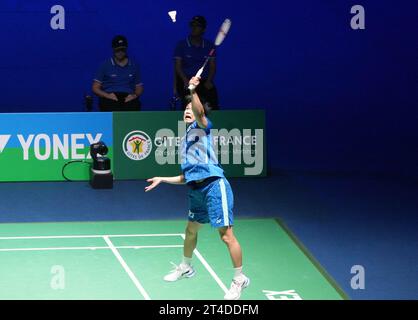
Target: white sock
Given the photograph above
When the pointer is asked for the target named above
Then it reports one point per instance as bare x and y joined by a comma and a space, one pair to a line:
187, 261
238, 275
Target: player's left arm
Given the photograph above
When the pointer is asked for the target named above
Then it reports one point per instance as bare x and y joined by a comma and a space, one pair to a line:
197, 107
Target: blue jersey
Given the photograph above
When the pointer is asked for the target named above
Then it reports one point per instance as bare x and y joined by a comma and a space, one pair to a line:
199, 160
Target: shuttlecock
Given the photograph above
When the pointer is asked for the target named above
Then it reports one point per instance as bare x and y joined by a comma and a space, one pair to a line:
172, 15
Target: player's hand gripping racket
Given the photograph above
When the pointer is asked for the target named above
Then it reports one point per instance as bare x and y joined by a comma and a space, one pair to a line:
223, 31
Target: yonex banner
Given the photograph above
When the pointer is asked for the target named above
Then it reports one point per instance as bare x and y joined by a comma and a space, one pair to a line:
34, 147
147, 144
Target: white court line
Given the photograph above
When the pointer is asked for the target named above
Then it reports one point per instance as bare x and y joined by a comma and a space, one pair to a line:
127, 269
93, 236
88, 248
209, 268
114, 250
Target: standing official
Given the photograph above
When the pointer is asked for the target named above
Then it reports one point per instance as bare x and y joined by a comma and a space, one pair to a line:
189, 56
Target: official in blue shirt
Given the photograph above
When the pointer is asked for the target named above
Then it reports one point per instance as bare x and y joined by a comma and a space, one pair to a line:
189, 56
118, 83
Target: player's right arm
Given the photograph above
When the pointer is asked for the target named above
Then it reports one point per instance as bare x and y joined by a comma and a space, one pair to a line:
157, 180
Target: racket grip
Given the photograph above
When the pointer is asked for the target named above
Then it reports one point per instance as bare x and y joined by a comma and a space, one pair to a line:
198, 74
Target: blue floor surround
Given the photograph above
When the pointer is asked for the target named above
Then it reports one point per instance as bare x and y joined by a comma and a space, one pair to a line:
342, 220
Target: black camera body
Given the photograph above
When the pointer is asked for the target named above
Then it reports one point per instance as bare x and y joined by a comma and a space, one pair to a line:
101, 176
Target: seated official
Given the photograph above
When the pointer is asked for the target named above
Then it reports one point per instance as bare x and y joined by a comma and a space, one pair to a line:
117, 83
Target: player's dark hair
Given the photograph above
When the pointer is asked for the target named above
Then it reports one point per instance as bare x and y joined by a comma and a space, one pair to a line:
206, 106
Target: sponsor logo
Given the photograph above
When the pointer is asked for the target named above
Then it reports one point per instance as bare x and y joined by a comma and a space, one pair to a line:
3, 141
55, 146
137, 145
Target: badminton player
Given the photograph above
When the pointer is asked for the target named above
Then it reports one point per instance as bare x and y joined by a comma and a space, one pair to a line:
210, 195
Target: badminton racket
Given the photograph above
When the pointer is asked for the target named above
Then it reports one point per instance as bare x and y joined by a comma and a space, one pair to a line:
223, 31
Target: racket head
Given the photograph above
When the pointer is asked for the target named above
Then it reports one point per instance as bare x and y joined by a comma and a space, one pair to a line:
223, 31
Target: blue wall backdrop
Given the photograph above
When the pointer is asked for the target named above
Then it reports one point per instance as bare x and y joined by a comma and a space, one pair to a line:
337, 99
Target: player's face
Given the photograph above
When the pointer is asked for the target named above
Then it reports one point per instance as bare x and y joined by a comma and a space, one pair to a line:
188, 115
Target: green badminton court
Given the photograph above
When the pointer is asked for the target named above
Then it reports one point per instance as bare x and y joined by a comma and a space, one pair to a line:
128, 259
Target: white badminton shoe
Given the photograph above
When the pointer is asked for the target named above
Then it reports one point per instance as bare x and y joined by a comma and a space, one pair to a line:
234, 292
180, 272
